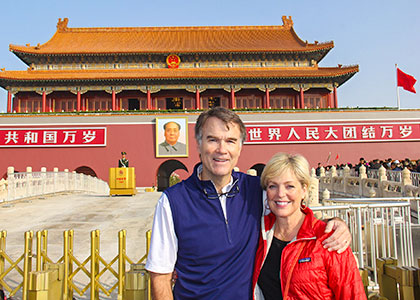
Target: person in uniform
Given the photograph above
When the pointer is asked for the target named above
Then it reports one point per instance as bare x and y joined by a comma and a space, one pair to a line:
123, 162
171, 146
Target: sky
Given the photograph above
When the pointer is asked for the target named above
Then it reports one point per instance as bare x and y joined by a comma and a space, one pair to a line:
373, 34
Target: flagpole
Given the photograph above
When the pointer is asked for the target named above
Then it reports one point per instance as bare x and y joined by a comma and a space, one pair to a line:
398, 91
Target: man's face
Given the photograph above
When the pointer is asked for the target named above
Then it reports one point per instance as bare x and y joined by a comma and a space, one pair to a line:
171, 133
219, 150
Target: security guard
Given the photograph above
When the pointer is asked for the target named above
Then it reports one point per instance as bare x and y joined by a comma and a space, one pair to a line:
123, 162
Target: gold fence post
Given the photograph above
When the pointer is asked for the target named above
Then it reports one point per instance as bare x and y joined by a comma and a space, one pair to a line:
387, 284
94, 267
27, 263
70, 261
38, 251
3, 235
407, 278
121, 262
66, 263
44, 250
149, 282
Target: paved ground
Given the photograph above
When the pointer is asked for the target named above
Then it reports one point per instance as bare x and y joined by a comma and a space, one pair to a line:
82, 213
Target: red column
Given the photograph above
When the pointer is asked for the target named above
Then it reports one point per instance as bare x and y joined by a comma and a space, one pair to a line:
232, 99
267, 99
335, 97
329, 100
78, 100
82, 106
114, 105
197, 99
44, 102
149, 100
302, 99
9, 102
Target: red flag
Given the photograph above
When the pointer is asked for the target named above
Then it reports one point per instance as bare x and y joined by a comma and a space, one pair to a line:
406, 81
337, 157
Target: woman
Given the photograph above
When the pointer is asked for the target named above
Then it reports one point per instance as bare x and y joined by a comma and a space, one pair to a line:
291, 262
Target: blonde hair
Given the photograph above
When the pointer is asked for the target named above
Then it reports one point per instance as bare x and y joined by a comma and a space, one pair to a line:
282, 162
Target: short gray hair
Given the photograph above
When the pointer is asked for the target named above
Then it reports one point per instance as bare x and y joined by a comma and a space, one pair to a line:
223, 114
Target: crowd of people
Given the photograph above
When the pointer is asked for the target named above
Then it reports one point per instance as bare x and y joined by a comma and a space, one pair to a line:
375, 164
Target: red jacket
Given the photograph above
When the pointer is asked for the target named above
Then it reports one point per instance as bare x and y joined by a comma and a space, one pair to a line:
308, 271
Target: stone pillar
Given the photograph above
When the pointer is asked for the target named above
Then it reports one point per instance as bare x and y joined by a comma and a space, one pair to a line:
325, 195
346, 171
10, 183
406, 177
44, 179
302, 99
9, 102
197, 99
78, 100
267, 99
232, 99
313, 193
28, 181
362, 172
44, 102
333, 171
322, 172
149, 100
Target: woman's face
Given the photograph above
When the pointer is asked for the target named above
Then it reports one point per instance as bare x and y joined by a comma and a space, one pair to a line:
285, 194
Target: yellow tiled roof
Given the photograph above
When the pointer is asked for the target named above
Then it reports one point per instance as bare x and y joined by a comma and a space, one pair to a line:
195, 73
212, 39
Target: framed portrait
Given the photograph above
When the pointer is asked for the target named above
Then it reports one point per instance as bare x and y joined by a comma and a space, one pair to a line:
172, 137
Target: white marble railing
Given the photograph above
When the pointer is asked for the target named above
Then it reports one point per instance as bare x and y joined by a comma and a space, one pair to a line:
28, 184
382, 184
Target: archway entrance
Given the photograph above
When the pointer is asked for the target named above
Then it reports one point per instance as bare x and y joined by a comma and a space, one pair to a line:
259, 168
86, 170
164, 172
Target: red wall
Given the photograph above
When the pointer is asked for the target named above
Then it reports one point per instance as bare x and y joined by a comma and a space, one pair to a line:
138, 140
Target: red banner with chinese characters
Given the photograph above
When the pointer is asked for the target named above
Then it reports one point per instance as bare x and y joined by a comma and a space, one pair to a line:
53, 137
332, 133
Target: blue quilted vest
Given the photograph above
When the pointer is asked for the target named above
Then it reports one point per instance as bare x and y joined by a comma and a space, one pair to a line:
215, 257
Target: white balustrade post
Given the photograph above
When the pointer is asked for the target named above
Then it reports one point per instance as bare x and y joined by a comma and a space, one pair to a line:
362, 175
362, 172
322, 172
313, 193
252, 172
28, 181
406, 177
405, 180
74, 180
66, 179
11, 189
333, 171
44, 179
236, 169
381, 177
82, 181
55, 180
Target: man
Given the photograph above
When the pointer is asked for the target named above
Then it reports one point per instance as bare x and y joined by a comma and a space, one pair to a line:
123, 161
207, 227
171, 146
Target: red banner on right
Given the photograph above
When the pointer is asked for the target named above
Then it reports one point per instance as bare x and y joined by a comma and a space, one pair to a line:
405, 81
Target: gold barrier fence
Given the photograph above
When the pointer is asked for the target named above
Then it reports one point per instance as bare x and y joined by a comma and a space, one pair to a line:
93, 267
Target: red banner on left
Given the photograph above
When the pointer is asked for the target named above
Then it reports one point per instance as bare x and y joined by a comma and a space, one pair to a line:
53, 137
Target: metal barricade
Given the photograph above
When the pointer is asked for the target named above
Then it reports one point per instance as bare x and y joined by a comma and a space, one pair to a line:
379, 228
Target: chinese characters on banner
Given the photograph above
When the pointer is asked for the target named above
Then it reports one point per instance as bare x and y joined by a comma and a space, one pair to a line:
332, 133
53, 137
